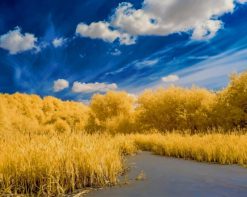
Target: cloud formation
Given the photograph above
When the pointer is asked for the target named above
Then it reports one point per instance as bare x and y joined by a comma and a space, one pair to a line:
16, 42
166, 17
58, 42
101, 30
79, 87
60, 85
170, 78
161, 18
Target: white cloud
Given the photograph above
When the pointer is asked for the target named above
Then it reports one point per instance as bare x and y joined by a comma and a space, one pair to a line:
127, 39
60, 85
16, 42
171, 16
58, 42
102, 30
170, 78
146, 63
161, 18
97, 30
79, 87
207, 30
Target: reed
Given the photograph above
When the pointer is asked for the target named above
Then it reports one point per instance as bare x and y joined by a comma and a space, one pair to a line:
49, 165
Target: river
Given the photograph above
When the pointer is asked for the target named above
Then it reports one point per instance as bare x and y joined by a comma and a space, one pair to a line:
167, 177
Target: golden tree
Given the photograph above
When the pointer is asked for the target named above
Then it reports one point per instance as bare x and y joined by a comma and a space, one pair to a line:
112, 111
231, 107
175, 108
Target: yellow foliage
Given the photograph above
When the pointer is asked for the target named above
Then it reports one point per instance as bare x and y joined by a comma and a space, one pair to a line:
109, 111
2, 117
175, 108
30, 113
231, 107
61, 126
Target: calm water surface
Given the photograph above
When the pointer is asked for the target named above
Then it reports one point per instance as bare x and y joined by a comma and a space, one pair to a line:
177, 177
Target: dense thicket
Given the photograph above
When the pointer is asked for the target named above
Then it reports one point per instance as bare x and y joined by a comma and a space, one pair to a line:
29, 113
230, 109
174, 108
113, 112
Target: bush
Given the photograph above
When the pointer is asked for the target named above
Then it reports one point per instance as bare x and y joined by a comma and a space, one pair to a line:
109, 111
231, 107
175, 108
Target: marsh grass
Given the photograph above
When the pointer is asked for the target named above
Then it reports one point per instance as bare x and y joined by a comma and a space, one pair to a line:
48, 165
216, 148
58, 164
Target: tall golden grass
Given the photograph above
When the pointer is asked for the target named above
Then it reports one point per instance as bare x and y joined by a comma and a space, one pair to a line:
218, 148
49, 165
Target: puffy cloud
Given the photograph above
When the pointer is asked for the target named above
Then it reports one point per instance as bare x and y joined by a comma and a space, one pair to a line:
60, 85
132, 21
161, 18
16, 42
58, 42
97, 30
166, 17
170, 78
102, 30
79, 87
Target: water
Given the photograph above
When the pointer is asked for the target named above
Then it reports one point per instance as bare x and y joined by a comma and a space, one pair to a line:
177, 177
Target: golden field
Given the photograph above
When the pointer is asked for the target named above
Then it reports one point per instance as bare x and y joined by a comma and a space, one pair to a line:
50, 147
51, 165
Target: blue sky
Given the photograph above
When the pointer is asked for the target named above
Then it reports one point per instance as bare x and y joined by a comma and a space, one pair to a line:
73, 49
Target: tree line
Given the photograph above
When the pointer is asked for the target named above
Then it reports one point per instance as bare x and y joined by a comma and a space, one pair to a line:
165, 109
